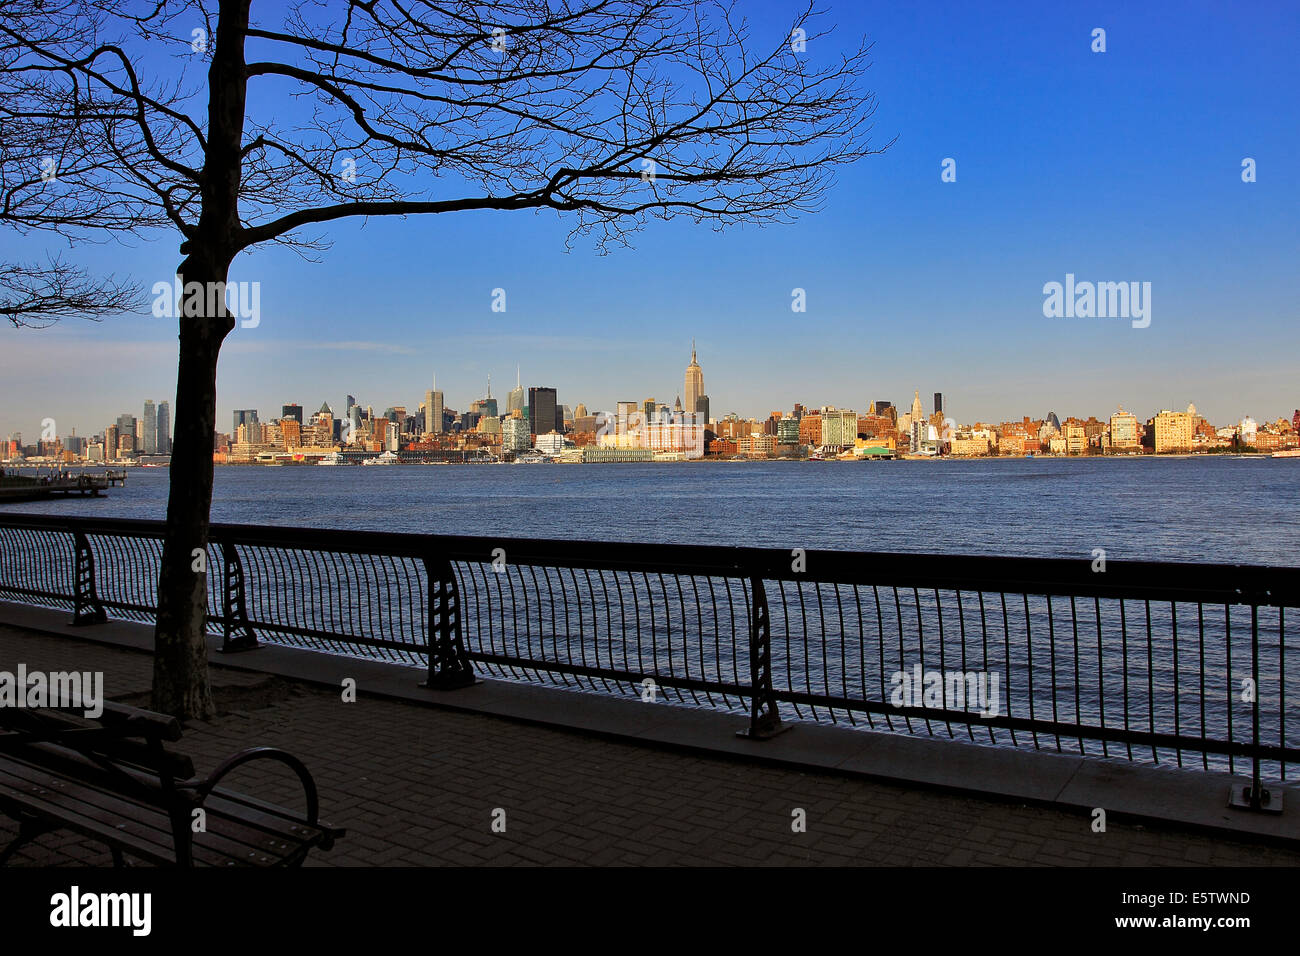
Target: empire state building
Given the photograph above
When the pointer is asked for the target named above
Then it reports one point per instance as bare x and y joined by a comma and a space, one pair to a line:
694, 383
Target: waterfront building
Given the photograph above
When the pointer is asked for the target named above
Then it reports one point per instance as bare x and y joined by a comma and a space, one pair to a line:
1076, 439
965, 444
294, 411
1248, 429
756, 445
787, 431
552, 443
515, 435
839, 427
604, 454
1124, 434
1173, 430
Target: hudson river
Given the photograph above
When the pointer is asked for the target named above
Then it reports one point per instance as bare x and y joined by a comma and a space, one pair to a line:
1215, 509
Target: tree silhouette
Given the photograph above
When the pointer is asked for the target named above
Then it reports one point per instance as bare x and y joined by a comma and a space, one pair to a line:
608, 112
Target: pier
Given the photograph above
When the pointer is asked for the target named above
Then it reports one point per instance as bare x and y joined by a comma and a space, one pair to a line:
39, 488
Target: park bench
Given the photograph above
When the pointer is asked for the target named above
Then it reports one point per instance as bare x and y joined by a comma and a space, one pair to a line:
111, 779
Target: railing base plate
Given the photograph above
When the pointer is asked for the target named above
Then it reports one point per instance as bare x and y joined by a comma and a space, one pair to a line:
1239, 798
238, 646
767, 733
450, 682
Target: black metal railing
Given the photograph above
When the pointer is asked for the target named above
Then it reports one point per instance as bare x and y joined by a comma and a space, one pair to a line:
1190, 664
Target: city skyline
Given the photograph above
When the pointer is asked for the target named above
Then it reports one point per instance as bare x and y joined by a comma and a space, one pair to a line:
433, 405
907, 277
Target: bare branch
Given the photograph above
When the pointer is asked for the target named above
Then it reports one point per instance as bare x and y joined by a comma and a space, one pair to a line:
40, 295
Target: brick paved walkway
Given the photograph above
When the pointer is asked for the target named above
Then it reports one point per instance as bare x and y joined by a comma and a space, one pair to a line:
418, 786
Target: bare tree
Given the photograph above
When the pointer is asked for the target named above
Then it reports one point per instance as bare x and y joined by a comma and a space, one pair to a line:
611, 112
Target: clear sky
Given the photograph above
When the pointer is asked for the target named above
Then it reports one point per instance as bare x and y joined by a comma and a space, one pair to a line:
1115, 166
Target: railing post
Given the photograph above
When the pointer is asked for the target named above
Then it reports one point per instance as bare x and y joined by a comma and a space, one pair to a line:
449, 668
764, 718
86, 606
1255, 796
236, 635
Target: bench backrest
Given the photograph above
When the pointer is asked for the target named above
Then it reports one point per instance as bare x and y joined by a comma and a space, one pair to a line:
129, 739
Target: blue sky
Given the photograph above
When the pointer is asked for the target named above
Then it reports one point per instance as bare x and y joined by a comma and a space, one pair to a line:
1115, 166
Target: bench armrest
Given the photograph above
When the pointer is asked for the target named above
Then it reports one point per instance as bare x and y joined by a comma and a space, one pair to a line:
205, 786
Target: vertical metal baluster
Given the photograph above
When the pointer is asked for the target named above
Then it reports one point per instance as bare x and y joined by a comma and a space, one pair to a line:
87, 608
448, 667
764, 717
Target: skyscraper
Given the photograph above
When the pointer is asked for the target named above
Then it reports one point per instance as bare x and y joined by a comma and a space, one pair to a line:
938, 403
486, 407
294, 411
515, 400
433, 409
150, 436
702, 410
543, 413
694, 381
243, 416
165, 428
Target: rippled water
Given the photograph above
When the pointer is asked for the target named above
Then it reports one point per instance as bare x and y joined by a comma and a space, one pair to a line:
1220, 509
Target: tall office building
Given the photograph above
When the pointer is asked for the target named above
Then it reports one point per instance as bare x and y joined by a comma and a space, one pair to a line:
625, 416
243, 416
918, 414
702, 410
938, 403
543, 413
295, 411
433, 409
165, 428
694, 380
485, 407
515, 400
126, 425
150, 444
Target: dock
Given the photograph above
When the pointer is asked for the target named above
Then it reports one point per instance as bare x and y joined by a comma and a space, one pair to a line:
24, 488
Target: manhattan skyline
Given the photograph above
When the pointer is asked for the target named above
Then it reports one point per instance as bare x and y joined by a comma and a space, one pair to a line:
911, 282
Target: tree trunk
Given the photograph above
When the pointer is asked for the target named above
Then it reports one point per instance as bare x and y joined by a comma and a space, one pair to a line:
180, 667
180, 672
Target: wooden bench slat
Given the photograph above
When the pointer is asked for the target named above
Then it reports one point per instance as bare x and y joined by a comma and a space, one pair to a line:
148, 826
